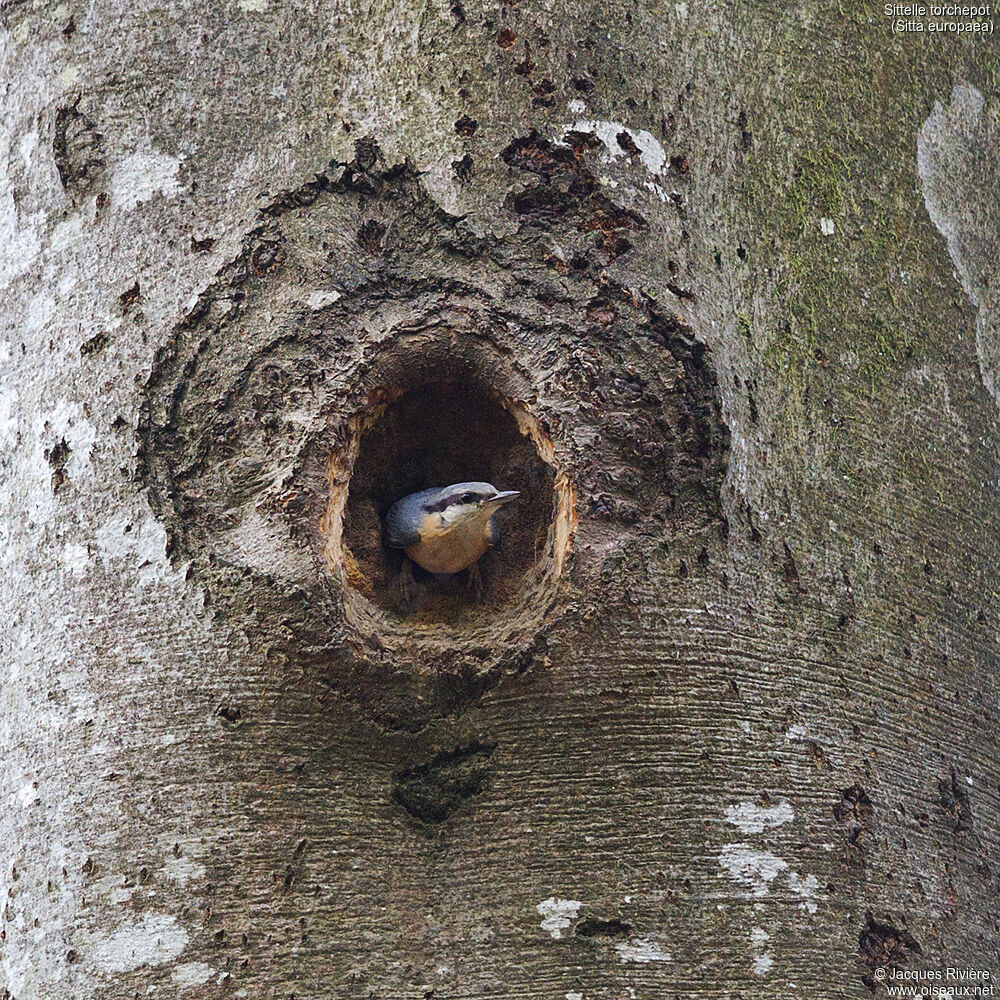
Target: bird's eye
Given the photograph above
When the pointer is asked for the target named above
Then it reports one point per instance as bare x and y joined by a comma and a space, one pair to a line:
466, 498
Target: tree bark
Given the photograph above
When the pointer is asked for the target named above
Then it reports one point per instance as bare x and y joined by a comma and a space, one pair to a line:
714, 287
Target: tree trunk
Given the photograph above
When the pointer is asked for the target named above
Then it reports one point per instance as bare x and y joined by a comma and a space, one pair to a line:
715, 288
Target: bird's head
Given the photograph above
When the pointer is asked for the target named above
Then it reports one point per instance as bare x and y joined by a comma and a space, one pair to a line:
466, 503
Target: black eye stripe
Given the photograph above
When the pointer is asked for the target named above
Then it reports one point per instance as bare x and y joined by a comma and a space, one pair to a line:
454, 500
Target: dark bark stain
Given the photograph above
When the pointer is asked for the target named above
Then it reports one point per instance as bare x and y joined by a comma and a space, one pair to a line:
627, 145
130, 297
525, 68
544, 94
566, 190
854, 810
595, 927
463, 169
882, 946
77, 148
746, 136
57, 456
267, 254
953, 797
230, 713
681, 293
680, 163
293, 869
370, 236
790, 571
96, 343
431, 792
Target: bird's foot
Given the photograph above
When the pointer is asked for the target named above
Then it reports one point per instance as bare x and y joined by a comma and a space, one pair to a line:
475, 583
407, 588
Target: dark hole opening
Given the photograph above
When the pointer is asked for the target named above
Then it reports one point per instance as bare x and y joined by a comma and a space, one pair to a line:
437, 434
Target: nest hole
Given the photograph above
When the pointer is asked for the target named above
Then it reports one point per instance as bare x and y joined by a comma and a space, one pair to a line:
436, 434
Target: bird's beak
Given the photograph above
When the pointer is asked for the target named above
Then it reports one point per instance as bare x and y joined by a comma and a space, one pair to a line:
501, 498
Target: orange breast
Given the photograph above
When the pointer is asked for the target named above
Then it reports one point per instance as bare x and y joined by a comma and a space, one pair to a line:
450, 551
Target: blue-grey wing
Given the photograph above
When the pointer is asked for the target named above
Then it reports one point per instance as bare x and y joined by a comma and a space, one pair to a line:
400, 532
403, 520
494, 536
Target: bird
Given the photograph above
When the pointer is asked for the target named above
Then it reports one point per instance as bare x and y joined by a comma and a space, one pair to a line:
446, 529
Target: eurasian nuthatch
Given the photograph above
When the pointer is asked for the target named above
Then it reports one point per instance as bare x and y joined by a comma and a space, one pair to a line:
447, 528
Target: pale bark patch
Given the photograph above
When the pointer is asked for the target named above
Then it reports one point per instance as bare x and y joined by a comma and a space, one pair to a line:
191, 974
752, 818
959, 170
156, 939
642, 950
142, 176
558, 914
752, 868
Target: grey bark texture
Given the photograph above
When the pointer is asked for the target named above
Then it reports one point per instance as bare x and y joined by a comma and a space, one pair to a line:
714, 285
